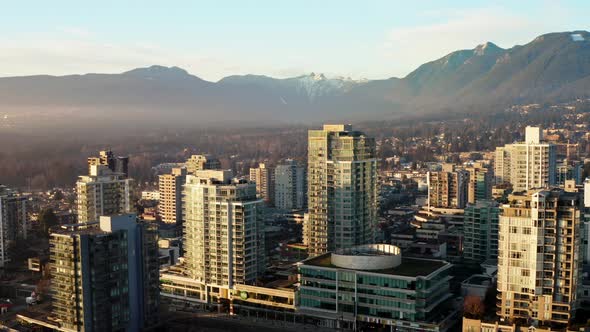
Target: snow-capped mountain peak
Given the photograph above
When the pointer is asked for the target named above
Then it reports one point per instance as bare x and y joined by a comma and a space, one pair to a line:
317, 77
317, 85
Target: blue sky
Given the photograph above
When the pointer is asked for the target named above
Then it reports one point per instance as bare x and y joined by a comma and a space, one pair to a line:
213, 39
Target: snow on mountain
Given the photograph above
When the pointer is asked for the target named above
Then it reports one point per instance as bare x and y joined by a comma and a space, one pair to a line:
312, 86
318, 85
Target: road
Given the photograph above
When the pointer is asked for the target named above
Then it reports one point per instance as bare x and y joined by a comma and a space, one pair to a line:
206, 322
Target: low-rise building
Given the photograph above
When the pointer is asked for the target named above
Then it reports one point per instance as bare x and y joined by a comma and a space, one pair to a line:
150, 195
477, 285
373, 285
185, 293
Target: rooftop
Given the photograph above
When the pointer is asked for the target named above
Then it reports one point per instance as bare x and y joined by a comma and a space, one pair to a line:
281, 284
479, 280
410, 267
78, 229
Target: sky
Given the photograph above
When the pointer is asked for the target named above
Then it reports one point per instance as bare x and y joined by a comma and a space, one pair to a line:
212, 39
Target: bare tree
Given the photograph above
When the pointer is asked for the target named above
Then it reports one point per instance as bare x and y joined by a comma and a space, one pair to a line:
473, 307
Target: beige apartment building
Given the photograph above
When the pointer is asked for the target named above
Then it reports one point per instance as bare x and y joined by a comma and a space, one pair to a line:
198, 162
264, 178
448, 188
102, 193
480, 183
223, 229
170, 188
539, 256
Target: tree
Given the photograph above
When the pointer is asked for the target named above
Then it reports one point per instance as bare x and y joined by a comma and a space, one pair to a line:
47, 219
473, 307
58, 195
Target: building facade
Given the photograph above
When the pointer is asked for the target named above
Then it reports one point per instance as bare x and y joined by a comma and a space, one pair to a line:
539, 256
170, 188
342, 189
13, 221
150, 195
102, 193
448, 188
480, 183
374, 284
105, 275
117, 164
199, 162
480, 231
290, 186
223, 229
526, 165
264, 178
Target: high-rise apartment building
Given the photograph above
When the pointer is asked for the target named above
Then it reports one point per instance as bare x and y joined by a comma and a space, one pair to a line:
264, 178
480, 231
102, 193
448, 188
527, 165
342, 189
199, 162
290, 186
223, 229
480, 183
117, 164
13, 221
539, 256
586, 223
170, 188
105, 275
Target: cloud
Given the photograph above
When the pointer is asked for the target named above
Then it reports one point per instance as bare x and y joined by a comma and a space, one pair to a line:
408, 47
75, 31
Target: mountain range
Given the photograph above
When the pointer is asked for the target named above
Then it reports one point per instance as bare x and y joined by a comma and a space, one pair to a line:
553, 67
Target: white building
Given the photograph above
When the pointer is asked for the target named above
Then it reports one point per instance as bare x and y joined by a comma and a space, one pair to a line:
526, 165
153, 195
102, 193
223, 229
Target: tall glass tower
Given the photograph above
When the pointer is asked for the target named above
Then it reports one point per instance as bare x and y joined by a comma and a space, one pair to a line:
342, 189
